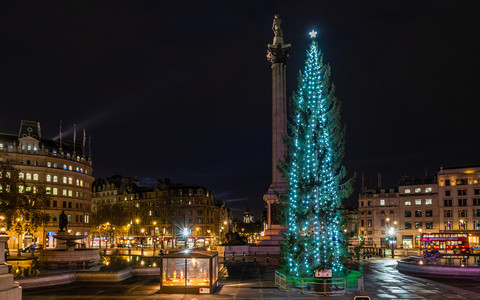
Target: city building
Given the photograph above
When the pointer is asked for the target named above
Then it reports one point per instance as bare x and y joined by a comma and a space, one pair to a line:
448, 202
459, 199
247, 216
62, 168
350, 227
378, 211
418, 209
167, 215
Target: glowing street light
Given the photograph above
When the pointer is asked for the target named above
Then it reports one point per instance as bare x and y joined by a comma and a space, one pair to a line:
391, 231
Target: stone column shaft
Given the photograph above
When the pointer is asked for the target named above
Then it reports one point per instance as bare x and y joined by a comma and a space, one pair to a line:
279, 124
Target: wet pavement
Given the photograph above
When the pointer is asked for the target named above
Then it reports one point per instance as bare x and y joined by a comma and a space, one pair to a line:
255, 280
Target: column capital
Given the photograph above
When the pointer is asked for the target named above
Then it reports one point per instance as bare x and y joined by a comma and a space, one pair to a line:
278, 53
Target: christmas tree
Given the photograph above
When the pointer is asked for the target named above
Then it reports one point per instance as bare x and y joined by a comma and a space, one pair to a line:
315, 174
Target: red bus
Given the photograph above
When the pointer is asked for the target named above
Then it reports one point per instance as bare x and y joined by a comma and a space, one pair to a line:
458, 242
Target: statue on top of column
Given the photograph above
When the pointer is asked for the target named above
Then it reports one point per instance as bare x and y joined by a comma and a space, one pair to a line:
277, 30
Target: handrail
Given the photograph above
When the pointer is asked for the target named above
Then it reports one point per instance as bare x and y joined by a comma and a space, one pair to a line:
320, 287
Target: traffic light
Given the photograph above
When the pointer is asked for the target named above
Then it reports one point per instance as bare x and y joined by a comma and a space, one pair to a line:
387, 238
361, 239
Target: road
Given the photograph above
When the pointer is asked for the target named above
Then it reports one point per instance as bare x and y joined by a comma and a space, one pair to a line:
255, 280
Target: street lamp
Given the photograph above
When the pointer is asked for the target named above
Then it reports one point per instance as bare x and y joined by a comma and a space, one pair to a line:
391, 233
185, 234
143, 232
18, 240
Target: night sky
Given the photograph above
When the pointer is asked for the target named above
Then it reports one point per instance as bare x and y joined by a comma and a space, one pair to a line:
182, 89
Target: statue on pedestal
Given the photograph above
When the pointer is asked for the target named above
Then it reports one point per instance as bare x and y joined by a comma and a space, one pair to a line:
62, 221
277, 30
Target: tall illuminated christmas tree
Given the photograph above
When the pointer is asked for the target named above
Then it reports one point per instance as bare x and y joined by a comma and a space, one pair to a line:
315, 173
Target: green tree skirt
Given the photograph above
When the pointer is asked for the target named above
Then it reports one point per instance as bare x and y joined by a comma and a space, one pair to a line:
351, 276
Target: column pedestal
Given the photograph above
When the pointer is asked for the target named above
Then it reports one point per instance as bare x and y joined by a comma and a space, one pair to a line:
8, 288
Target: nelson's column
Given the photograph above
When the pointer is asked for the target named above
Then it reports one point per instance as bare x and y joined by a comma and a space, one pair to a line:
277, 55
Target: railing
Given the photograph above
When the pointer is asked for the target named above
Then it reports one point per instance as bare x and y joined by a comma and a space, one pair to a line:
334, 286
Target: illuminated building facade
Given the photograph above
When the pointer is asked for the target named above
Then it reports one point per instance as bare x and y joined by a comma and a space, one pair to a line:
62, 168
170, 214
447, 202
459, 199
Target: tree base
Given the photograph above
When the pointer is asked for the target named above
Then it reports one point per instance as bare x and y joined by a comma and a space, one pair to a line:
339, 284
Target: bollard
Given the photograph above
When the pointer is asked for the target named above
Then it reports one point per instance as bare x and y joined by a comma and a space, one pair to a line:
268, 258
255, 257
129, 251
104, 251
224, 257
233, 255
243, 259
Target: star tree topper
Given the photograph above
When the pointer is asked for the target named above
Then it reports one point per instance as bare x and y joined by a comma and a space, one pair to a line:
313, 34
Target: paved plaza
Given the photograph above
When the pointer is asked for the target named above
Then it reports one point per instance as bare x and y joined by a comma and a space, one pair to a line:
255, 280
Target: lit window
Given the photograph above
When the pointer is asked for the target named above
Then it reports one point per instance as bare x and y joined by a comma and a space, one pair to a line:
49, 164
64, 193
418, 201
408, 202
21, 175
70, 193
49, 178
70, 180
29, 147
48, 190
55, 165
382, 201
407, 191
70, 168
65, 180
418, 190
55, 191
428, 201
78, 182
28, 176
64, 167
428, 190
55, 179
20, 188
86, 172
35, 176
81, 170
81, 182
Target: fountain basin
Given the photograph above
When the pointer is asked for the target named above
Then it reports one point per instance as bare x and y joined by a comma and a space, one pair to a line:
76, 258
420, 268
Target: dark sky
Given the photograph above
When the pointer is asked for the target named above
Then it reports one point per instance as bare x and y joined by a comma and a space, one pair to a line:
182, 89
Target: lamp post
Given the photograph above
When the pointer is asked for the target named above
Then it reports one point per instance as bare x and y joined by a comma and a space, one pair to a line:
18, 238
185, 234
420, 242
143, 232
107, 225
391, 233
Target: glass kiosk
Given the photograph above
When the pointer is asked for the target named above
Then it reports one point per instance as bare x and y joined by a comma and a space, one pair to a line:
189, 271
